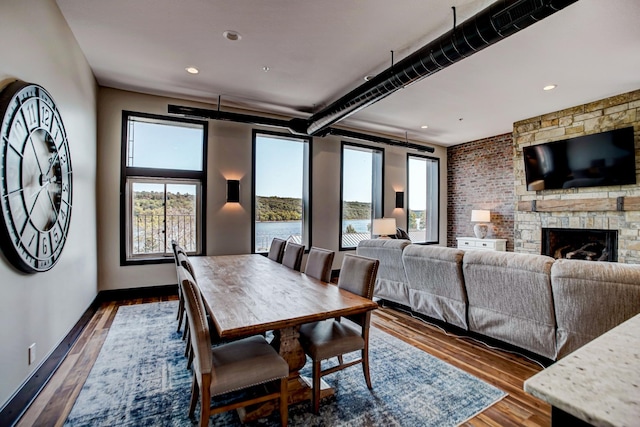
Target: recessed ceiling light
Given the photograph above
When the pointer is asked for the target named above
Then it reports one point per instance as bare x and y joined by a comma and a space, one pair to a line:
549, 87
265, 68
424, 127
192, 70
232, 35
367, 78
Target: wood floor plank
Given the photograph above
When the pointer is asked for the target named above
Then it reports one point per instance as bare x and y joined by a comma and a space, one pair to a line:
502, 369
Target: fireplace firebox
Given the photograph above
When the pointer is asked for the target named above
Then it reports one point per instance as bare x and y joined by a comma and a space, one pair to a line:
592, 245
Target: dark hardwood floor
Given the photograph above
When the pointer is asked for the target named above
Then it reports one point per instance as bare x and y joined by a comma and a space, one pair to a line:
504, 370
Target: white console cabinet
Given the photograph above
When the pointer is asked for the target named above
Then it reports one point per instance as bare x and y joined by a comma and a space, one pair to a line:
482, 244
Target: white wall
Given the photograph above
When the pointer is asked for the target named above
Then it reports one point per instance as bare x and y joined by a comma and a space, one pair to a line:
229, 157
37, 46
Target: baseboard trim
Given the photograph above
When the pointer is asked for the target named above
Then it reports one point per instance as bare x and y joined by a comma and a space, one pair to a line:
16, 406
135, 293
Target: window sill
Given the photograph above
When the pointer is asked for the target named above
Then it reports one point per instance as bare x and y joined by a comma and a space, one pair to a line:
146, 261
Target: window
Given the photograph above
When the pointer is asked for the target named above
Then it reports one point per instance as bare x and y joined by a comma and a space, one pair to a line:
281, 190
163, 182
360, 193
423, 186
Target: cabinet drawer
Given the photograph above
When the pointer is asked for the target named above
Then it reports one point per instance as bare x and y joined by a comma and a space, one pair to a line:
482, 244
466, 244
485, 245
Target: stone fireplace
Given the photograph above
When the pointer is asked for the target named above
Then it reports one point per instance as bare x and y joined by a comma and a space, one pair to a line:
590, 245
612, 210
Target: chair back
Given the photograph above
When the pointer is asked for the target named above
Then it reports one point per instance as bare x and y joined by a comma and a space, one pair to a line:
177, 249
358, 275
319, 263
277, 249
292, 257
183, 261
198, 325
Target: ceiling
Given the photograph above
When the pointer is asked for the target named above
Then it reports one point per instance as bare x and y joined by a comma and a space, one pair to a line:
317, 51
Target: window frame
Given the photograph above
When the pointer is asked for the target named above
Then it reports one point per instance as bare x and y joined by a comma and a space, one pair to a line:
307, 199
377, 202
159, 175
437, 196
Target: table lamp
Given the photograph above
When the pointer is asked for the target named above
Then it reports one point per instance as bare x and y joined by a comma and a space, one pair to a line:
383, 227
480, 217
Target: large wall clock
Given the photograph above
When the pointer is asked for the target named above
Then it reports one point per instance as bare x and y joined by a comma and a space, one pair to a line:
35, 169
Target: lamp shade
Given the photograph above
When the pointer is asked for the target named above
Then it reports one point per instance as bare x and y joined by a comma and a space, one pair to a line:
384, 226
480, 216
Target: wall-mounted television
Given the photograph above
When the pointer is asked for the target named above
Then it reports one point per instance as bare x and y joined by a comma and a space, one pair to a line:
601, 159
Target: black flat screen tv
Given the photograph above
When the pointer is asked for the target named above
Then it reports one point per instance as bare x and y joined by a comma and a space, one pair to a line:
597, 160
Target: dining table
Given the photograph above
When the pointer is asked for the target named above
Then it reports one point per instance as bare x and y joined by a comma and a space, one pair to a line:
250, 294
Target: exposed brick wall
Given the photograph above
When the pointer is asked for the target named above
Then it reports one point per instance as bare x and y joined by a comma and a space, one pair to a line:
600, 116
480, 176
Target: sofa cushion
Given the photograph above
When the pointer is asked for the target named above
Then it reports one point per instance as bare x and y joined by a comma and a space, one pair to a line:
391, 283
436, 285
510, 298
590, 298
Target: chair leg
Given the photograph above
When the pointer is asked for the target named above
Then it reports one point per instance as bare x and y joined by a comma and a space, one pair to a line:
180, 313
365, 366
284, 401
316, 387
190, 358
187, 348
205, 406
186, 330
340, 360
195, 392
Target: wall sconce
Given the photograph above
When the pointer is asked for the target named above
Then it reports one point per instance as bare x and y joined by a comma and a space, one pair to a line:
233, 191
481, 217
400, 199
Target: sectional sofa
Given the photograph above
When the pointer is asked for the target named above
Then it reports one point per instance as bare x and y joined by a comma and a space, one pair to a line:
546, 306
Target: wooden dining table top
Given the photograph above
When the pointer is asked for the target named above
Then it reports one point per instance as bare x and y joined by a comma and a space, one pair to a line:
248, 294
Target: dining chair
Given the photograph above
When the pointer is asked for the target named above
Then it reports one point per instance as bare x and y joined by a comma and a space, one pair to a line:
292, 257
332, 338
319, 263
177, 249
277, 249
237, 365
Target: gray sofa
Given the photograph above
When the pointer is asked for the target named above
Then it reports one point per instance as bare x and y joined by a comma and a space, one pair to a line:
391, 283
546, 306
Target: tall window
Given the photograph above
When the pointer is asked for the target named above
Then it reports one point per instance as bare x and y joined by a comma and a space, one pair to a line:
163, 181
361, 192
423, 186
281, 189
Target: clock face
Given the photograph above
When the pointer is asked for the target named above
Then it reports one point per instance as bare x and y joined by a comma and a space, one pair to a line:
36, 178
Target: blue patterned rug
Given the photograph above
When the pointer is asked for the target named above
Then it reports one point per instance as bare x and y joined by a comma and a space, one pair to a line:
140, 379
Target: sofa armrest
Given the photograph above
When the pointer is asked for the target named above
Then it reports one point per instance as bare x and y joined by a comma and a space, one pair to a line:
590, 298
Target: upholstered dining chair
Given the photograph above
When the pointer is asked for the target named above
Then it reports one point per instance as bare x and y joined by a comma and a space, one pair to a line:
276, 251
319, 263
229, 367
292, 257
332, 338
177, 249
183, 262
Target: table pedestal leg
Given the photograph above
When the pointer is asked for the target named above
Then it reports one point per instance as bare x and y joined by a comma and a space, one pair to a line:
286, 342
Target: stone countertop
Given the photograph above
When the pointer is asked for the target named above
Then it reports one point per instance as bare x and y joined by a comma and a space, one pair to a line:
598, 383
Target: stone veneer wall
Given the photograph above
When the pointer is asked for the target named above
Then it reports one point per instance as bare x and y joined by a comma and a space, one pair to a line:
480, 176
600, 116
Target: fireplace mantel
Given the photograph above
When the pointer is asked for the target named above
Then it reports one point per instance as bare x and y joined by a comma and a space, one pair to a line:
619, 204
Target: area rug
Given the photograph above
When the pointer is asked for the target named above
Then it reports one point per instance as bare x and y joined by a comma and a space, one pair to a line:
140, 379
